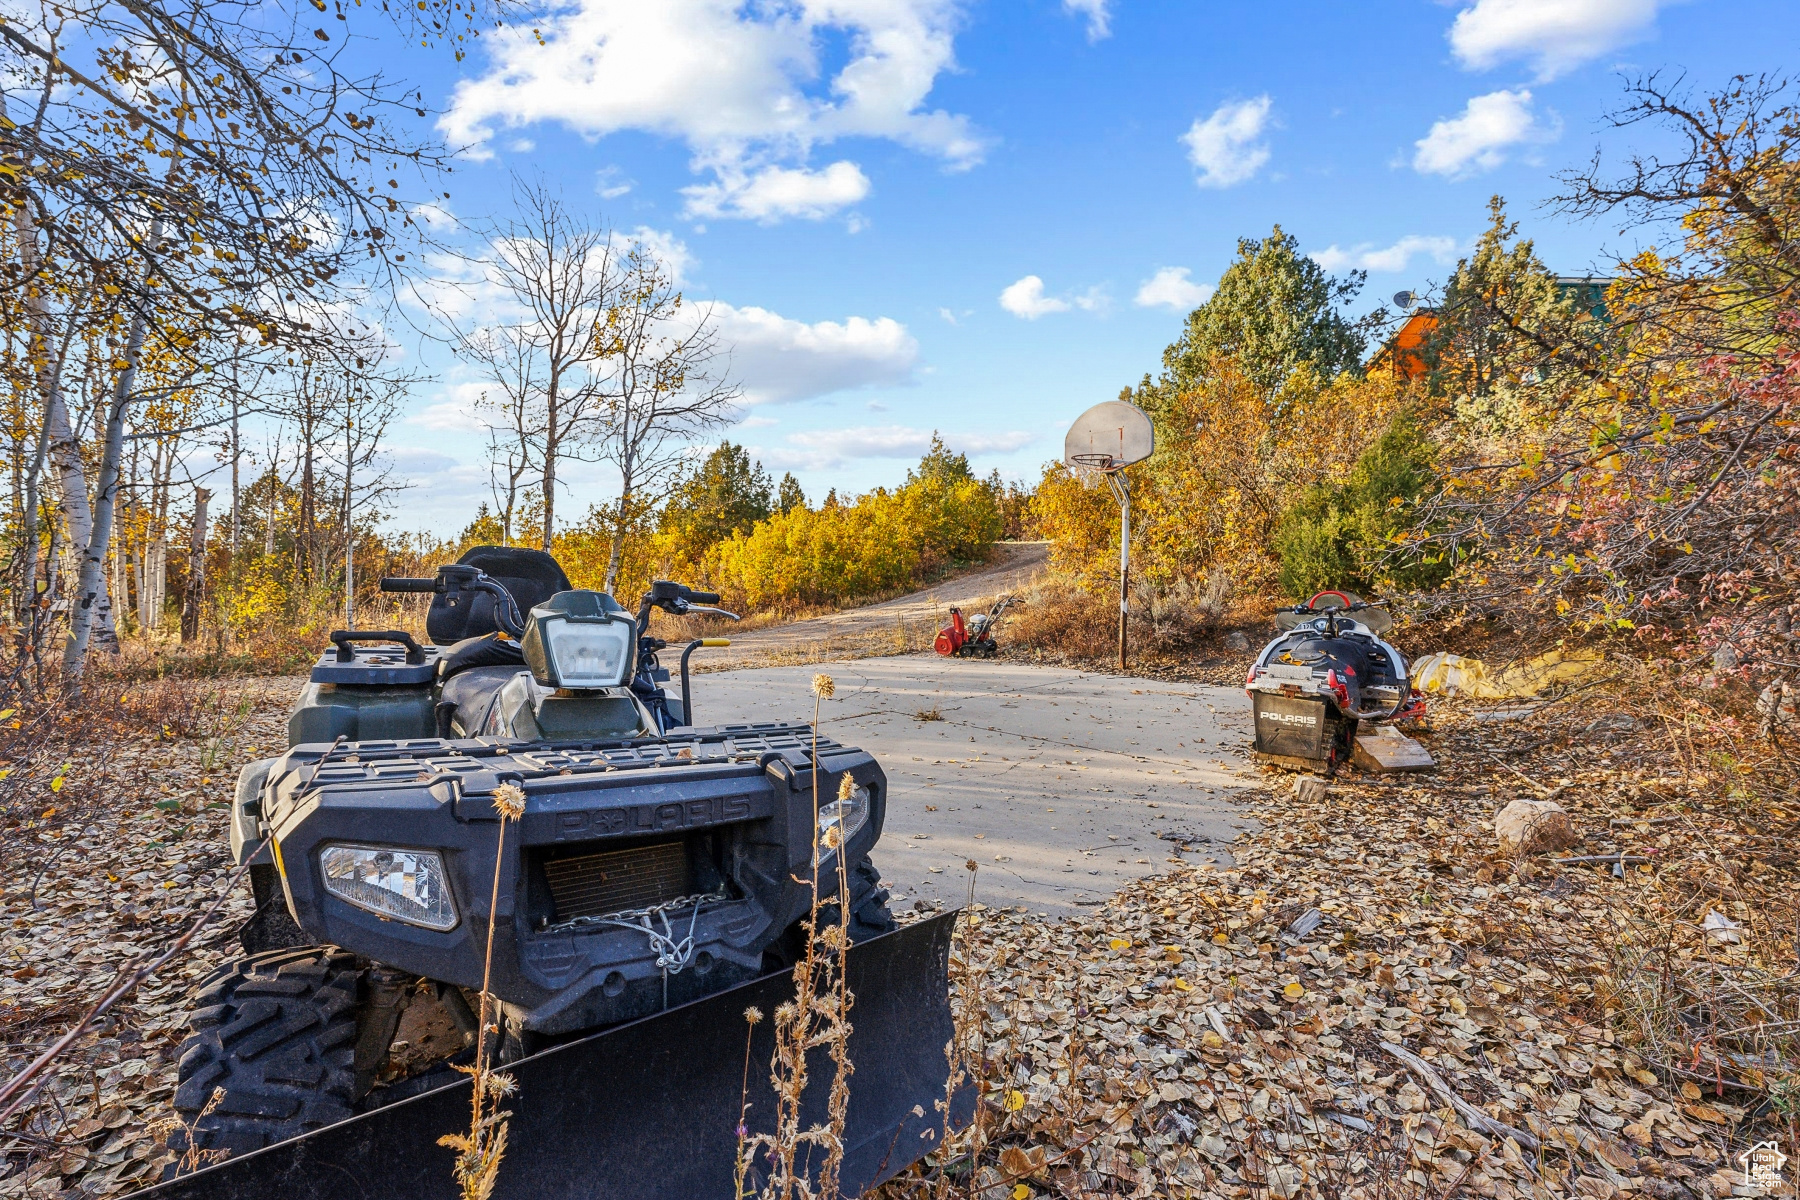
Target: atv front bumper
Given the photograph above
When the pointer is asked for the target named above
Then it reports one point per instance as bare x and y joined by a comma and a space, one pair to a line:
641, 874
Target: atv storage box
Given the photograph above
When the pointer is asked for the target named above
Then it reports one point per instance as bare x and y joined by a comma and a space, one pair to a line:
359, 691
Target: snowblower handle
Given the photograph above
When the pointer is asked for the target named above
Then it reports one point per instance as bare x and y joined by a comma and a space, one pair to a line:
402, 583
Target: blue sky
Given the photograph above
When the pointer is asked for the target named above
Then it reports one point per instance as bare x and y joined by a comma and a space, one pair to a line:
982, 218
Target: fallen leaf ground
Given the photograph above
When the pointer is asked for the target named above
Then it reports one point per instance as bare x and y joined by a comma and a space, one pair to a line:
1187, 1038
119, 858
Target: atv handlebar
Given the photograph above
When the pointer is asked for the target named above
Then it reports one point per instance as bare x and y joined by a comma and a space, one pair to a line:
687, 687
678, 600
1347, 606
403, 583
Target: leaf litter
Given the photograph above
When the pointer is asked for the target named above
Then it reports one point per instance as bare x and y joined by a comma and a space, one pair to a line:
1374, 1002
1370, 1002
132, 849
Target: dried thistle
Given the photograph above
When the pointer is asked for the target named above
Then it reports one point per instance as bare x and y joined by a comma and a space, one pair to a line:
846, 786
753, 1015
480, 1151
824, 686
193, 1158
509, 798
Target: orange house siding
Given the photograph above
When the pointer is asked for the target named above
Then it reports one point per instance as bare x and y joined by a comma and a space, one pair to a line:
1402, 353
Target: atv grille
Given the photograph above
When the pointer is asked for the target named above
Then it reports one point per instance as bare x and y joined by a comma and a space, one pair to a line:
612, 881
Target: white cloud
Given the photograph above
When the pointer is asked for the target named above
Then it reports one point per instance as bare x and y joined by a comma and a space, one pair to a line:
825, 448
771, 193
669, 249
1026, 299
743, 85
757, 422
1170, 287
1098, 14
436, 485
436, 217
1554, 35
1365, 256
611, 183
778, 360
1224, 147
1478, 139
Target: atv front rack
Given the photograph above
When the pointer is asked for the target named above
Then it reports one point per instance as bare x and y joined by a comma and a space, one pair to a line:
384, 761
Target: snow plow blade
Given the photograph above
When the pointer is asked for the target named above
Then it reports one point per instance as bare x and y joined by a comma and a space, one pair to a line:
649, 1110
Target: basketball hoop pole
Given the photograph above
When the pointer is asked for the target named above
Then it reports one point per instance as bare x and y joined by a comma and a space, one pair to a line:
1128, 436
1121, 490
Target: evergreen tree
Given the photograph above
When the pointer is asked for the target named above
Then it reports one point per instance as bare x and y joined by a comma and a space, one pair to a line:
790, 496
941, 464
1505, 324
728, 494
1274, 311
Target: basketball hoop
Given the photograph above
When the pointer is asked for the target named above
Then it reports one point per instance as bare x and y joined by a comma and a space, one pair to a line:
1130, 437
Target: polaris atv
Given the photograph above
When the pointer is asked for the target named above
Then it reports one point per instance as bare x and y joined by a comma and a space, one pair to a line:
656, 862
1326, 671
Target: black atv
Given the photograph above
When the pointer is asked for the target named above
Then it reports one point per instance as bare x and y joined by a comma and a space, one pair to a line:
655, 862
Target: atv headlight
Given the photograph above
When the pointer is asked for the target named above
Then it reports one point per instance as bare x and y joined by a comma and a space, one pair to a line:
405, 885
580, 653
845, 817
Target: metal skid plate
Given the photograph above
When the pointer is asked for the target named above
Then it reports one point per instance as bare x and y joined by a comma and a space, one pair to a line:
1290, 726
649, 1110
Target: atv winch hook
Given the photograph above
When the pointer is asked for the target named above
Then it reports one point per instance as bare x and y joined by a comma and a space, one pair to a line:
672, 957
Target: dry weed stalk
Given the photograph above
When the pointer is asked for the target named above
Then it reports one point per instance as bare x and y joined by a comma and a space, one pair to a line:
480, 1151
193, 1158
817, 1016
960, 1152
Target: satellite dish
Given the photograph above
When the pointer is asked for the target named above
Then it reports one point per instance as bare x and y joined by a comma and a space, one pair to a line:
1109, 436
1403, 299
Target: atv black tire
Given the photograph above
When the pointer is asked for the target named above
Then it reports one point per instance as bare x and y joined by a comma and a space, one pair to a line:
274, 1035
869, 917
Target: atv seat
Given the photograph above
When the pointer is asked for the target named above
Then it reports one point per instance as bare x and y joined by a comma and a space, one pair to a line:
530, 576
488, 650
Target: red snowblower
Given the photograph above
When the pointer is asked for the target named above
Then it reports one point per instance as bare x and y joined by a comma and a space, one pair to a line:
975, 639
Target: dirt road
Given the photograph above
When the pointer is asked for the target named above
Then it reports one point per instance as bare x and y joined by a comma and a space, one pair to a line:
896, 626
1064, 785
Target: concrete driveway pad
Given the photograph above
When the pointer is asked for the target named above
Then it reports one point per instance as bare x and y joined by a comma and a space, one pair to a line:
1059, 783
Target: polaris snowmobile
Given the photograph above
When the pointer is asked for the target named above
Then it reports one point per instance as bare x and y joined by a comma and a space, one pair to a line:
1325, 673
652, 890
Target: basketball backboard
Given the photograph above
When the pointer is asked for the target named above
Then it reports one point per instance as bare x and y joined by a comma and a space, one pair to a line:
1109, 436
